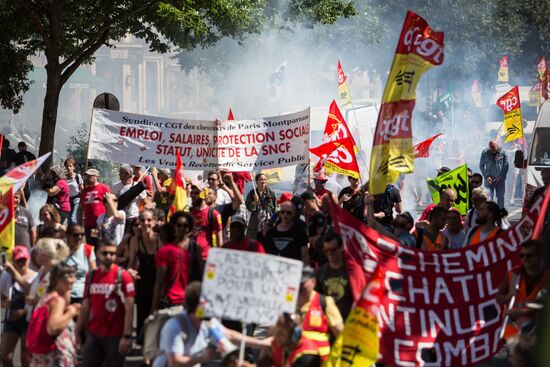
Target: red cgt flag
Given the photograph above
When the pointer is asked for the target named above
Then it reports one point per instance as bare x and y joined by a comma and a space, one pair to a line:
337, 153
422, 149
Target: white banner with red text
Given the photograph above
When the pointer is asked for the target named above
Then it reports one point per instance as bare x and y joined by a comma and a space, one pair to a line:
239, 145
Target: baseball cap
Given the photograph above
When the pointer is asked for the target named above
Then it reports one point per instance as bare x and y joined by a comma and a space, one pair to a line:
443, 170
238, 219
92, 172
284, 197
307, 273
20, 252
320, 177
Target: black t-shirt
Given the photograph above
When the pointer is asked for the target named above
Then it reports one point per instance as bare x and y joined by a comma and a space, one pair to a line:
335, 283
316, 221
308, 360
286, 244
226, 211
353, 205
24, 156
385, 202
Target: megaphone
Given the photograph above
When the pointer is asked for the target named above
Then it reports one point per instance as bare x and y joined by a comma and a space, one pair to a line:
227, 349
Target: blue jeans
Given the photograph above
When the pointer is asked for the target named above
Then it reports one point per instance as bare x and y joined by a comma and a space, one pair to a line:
75, 200
498, 191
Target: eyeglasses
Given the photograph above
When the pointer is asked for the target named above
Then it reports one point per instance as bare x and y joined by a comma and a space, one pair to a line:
108, 253
182, 225
76, 234
212, 179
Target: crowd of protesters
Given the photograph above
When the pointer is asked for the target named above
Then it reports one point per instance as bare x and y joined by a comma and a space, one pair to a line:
97, 254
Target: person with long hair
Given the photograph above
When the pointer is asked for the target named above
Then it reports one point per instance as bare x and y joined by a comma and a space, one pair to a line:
50, 218
14, 282
60, 324
82, 256
143, 249
261, 203
58, 192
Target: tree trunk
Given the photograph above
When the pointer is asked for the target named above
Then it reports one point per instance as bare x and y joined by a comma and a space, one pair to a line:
49, 113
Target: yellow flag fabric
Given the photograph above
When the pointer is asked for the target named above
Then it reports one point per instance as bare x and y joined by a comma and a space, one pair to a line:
180, 202
503, 70
419, 48
343, 87
513, 123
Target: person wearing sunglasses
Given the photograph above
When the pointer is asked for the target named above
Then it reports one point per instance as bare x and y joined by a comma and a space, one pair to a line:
527, 283
82, 257
108, 296
287, 239
332, 278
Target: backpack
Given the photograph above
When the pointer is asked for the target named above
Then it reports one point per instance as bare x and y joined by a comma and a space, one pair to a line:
152, 328
38, 340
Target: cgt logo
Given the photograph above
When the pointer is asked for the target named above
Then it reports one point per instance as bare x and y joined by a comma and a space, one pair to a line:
509, 104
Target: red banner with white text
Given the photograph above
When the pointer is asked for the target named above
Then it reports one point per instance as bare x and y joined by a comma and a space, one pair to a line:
436, 308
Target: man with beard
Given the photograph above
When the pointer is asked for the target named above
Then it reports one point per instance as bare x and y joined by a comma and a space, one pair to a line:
208, 221
488, 223
108, 296
429, 236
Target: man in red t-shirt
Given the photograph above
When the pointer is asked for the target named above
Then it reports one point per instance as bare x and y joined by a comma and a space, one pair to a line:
238, 239
91, 204
208, 221
107, 311
178, 262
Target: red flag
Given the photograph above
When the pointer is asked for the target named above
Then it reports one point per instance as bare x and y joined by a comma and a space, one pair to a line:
180, 197
337, 153
240, 177
427, 306
422, 149
1, 143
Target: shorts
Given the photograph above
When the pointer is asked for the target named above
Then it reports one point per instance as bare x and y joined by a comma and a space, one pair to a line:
17, 327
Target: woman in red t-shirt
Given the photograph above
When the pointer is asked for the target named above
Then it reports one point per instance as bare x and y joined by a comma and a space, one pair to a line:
58, 193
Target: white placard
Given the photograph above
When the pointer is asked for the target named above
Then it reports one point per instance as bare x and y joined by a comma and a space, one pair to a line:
237, 145
249, 287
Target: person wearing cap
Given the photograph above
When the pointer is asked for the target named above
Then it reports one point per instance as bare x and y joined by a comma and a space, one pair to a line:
91, 204
320, 315
528, 283
319, 182
14, 283
238, 239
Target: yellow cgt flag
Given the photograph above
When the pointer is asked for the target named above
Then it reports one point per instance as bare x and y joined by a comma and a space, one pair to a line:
343, 87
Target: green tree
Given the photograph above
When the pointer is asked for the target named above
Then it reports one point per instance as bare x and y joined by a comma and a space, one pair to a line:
69, 32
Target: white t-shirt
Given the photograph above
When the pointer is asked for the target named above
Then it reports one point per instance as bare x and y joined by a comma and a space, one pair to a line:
74, 185
111, 228
132, 210
222, 197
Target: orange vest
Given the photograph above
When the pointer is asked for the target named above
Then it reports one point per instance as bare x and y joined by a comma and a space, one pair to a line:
513, 327
285, 357
476, 237
315, 326
432, 246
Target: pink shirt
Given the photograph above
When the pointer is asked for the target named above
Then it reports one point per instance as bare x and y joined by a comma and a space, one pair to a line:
63, 196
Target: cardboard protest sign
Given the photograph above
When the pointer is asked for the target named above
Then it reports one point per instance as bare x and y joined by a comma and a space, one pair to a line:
457, 180
240, 145
249, 287
419, 48
436, 308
